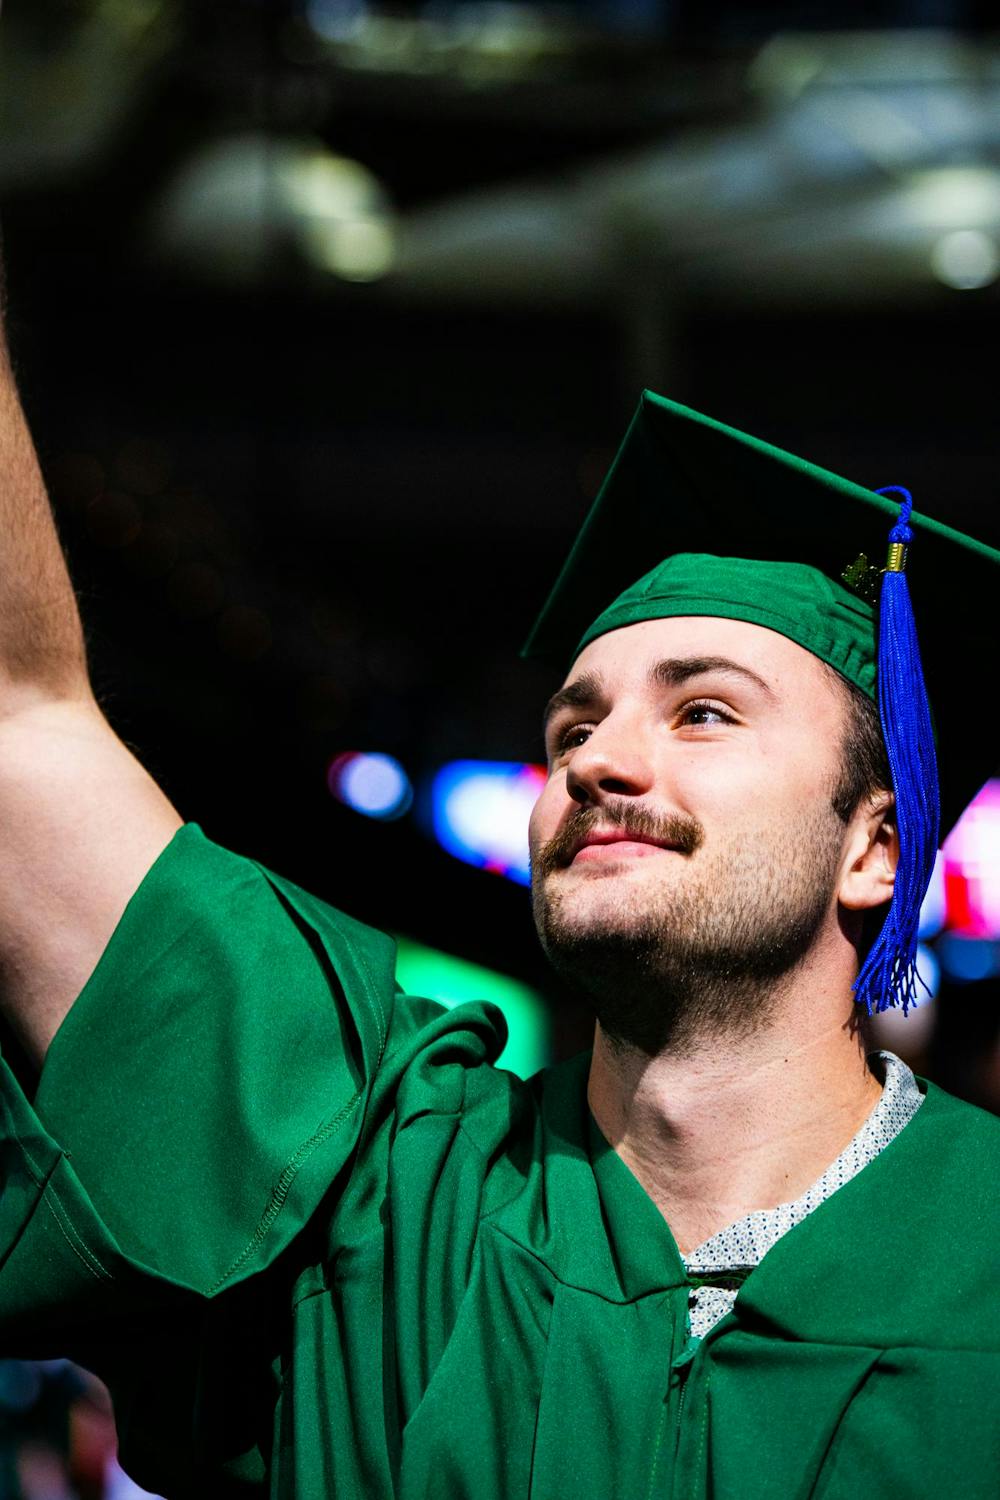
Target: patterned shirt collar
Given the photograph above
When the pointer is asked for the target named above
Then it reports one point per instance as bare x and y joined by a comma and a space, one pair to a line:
729, 1255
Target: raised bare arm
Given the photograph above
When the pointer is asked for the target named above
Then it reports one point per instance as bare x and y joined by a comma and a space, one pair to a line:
80, 820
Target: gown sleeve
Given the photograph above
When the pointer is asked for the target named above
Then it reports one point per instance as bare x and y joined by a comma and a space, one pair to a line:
204, 1093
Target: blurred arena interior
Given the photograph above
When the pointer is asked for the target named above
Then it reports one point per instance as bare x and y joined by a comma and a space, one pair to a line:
328, 315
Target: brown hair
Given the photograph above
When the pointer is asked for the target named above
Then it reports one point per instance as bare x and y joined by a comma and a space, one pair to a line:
864, 770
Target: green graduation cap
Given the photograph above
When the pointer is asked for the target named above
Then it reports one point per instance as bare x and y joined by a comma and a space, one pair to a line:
695, 517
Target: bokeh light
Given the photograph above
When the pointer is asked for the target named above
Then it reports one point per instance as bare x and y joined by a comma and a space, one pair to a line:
972, 867
933, 909
967, 259
967, 959
442, 976
240, 193
371, 783
480, 811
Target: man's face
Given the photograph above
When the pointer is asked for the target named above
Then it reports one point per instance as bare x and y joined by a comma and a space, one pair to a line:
685, 851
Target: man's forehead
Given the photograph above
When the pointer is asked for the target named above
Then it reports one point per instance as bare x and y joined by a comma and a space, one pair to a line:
633, 651
777, 671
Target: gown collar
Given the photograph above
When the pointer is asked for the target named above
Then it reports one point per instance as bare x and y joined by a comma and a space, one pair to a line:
863, 1268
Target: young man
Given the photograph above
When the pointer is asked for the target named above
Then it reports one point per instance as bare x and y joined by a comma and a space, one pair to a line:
319, 1246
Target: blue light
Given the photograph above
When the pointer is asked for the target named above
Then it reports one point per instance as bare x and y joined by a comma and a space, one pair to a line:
480, 811
967, 959
932, 912
336, 20
929, 971
373, 784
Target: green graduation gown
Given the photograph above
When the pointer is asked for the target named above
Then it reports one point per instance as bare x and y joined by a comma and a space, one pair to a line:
320, 1247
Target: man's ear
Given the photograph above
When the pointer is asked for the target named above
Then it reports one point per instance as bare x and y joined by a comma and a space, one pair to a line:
872, 855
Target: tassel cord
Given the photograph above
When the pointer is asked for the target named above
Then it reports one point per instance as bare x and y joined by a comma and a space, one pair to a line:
888, 976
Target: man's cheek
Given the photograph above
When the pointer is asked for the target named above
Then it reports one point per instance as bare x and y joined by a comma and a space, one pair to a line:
540, 824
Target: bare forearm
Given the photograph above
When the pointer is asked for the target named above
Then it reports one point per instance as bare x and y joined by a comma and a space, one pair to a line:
41, 640
80, 820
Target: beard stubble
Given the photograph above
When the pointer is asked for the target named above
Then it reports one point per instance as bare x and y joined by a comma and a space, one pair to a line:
705, 953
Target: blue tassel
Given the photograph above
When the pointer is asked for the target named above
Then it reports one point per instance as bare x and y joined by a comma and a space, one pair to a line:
889, 976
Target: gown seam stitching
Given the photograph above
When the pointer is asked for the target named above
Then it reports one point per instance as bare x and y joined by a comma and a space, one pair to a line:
372, 996
35, 1172
703, 1433
66, 1227
49, 1196
661, 1427
282, 1187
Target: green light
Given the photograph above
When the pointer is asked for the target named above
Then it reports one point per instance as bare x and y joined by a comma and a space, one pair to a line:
452, 981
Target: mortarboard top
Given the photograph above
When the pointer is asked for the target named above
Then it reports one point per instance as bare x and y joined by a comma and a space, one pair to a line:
685, 484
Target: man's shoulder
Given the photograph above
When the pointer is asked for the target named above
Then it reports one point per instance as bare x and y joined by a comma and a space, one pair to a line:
953, 1148
970, 1135
948, 1167
903, 1255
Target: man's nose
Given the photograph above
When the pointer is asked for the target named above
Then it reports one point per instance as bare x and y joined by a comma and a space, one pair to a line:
613, 761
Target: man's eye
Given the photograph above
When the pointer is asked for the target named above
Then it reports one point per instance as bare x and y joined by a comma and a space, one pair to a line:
571, 738
704, 713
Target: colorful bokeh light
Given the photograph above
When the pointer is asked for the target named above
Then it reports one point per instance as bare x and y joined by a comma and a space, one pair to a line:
971, 868
480, 811
452, 981
371, 783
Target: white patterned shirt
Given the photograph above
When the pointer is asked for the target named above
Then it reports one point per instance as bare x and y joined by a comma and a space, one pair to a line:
733, 1252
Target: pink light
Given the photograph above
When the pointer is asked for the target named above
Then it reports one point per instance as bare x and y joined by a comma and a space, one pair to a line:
972, 867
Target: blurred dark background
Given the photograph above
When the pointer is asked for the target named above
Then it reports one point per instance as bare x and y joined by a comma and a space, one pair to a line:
329, 315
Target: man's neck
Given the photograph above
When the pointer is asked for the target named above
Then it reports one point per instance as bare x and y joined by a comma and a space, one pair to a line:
735, 1125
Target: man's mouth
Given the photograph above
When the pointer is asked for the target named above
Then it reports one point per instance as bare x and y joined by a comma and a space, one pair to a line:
615, 833
616, 843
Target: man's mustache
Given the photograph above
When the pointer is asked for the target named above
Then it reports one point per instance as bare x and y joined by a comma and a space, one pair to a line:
682, 833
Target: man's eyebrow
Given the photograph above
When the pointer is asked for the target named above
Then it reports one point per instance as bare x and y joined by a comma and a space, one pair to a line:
582, 692
676, 670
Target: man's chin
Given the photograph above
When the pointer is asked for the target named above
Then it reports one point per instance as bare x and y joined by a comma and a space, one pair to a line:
573, 914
